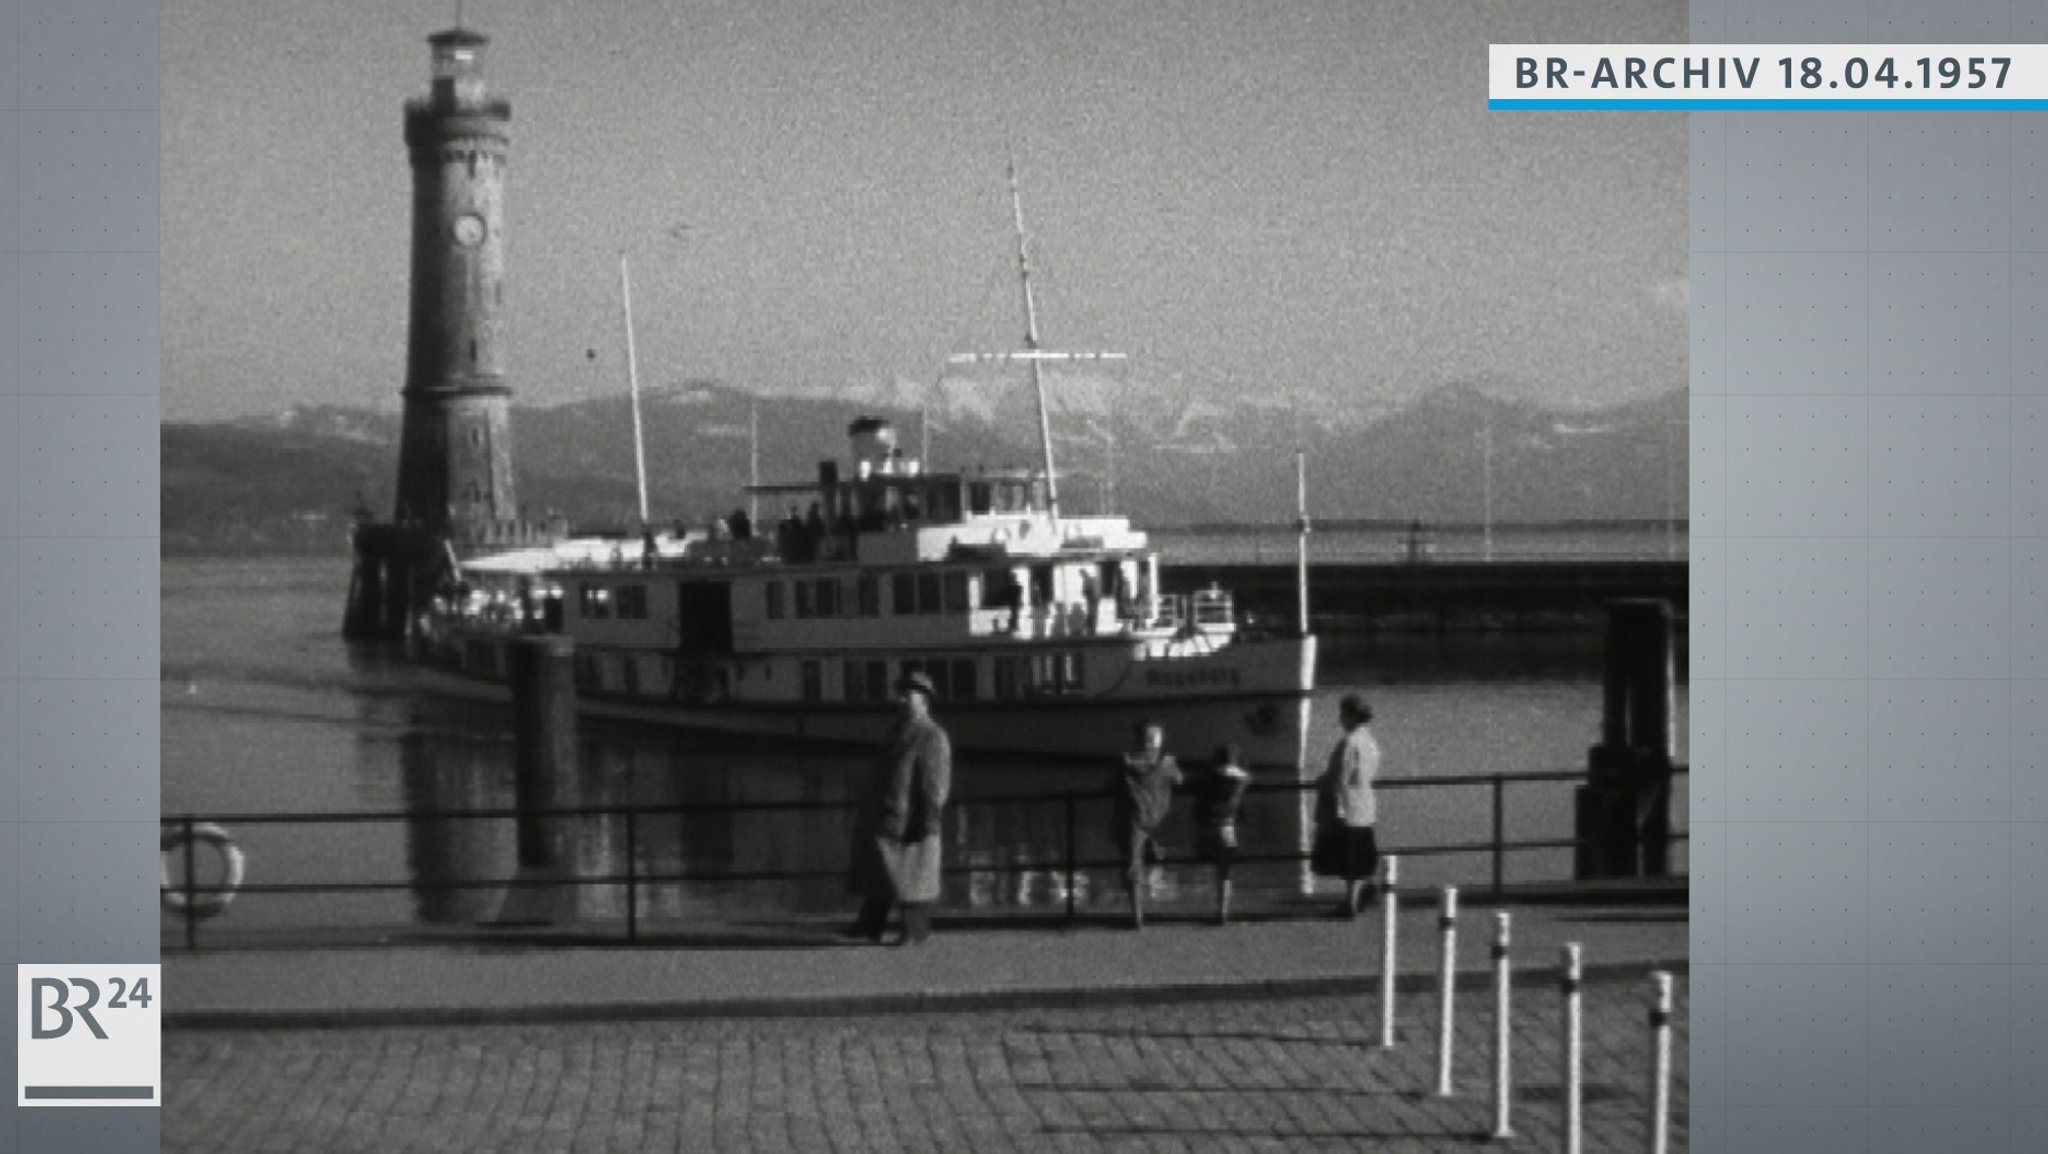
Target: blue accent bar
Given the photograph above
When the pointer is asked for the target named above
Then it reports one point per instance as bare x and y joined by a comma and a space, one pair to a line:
1573, 104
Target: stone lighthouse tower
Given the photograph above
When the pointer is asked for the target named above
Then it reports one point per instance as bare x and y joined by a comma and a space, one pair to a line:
455, 460
455, 489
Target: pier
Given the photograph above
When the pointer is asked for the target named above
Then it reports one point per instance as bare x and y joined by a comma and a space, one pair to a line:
1440, 594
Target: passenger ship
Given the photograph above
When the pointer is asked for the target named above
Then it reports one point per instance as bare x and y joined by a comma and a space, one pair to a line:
1043, 633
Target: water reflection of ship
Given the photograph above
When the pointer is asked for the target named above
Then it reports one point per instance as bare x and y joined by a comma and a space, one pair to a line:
702, 813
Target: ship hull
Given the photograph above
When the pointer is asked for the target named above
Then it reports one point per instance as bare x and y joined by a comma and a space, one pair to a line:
1265, 710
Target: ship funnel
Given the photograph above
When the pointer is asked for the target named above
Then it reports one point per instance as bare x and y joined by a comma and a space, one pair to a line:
874, 444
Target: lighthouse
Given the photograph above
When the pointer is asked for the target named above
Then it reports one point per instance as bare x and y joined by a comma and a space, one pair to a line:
455, 490
455, 457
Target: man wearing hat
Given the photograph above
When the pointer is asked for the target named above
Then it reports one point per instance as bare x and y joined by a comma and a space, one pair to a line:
1346, 811
897, 840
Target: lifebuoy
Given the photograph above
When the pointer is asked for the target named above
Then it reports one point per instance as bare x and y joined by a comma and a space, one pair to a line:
204, 903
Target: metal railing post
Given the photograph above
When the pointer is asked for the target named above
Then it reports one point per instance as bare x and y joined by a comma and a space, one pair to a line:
191, 880
632, 879
1071, 857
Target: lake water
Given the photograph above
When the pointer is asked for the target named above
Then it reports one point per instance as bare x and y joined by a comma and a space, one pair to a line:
266, 710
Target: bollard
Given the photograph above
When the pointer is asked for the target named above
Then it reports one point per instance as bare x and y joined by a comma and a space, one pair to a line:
544, 738
1503, 1019
1574, 1091
1622, 818
544, 763
1393, 916
1660, 1073
1447, 920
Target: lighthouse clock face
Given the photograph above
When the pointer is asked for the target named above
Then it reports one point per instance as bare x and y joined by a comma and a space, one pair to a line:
469, 230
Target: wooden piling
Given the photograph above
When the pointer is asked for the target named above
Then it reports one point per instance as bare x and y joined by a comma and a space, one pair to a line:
1623, 813
543, 669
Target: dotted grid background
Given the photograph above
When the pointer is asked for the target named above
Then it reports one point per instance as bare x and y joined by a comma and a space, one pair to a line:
1870, 607
79, 250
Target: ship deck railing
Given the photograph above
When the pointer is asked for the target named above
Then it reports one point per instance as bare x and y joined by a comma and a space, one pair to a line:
1079, 810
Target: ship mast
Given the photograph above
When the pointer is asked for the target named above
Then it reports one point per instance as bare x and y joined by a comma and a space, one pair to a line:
1052, 490
1033, 353
753, 461
633, 386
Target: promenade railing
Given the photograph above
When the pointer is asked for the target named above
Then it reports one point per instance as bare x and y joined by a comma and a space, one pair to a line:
187, 899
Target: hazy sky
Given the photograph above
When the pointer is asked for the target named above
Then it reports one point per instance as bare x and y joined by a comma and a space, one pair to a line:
1243, 196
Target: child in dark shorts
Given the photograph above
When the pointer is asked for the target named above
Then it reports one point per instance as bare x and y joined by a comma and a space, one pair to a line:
1216, 812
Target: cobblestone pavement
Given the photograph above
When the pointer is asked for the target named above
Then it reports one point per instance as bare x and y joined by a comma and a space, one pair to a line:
1289, 1074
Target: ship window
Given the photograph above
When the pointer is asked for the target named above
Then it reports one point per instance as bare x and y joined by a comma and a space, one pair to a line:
805, 606
930, 594
828, 597
945, 502
632, 602
1041, 585
595, 601
775, 600
870, 593
867, 681
1041, 674
629, 670
1000, 590
814, 681
956, 592
1070, 673
1044, 675
589, 674
903, 594
980, 499
963, 678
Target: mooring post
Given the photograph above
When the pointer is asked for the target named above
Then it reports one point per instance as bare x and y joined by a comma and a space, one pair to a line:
363, 617
543, 671
1447, 921
1623, 812
1503, 1030
1660, 1070
1574, 1091
1390, 896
